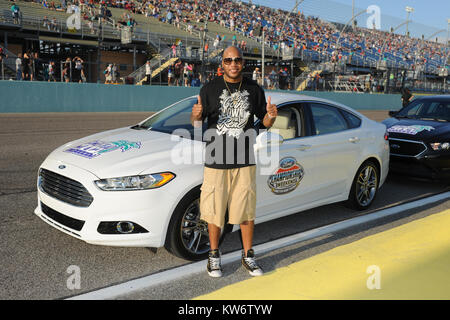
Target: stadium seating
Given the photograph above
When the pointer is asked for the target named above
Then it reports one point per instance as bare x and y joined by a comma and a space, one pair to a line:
313, 39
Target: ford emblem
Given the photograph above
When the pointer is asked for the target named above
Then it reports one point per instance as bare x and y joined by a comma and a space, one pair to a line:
62, 167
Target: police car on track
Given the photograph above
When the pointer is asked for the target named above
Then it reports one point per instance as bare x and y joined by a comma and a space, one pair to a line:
419, 137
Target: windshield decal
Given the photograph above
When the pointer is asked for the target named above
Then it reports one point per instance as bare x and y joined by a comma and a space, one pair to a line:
286, 177
413, 130
96, 148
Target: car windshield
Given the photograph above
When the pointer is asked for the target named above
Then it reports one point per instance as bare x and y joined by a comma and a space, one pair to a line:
177, 116
174, 117
427, 109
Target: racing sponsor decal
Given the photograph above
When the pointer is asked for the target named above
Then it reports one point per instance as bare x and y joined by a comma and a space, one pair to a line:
413, 130
286, 177
96, 148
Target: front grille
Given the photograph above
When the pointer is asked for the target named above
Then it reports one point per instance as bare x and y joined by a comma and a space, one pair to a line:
69, 222
64, 189
406, 148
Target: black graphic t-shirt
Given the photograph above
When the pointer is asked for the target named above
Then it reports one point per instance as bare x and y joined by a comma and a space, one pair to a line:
229, 112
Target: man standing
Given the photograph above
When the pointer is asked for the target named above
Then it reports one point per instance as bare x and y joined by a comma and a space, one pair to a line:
19, 73
256, 75
148, 73
15, 10
2, 67
406, 96
78, 69
229, 103
178, 69
51, 71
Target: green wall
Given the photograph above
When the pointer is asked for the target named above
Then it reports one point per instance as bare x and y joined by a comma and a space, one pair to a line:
24, 97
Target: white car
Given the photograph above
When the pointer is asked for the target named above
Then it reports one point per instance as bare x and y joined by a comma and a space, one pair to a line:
127, 187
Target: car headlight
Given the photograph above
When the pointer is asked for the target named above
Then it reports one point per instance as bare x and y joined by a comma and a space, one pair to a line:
438, 146
141, 182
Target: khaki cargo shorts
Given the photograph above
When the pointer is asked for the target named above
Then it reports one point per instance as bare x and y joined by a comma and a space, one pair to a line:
234, 189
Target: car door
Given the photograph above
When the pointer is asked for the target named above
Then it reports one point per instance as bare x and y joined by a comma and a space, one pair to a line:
336, 145
290, 181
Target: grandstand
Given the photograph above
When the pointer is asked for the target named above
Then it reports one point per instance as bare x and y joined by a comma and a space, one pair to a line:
309, 47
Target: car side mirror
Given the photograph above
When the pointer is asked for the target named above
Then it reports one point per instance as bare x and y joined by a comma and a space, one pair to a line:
268, 139
393, 113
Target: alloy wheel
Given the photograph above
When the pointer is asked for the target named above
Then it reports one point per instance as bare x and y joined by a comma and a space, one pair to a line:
194, 231
366, 185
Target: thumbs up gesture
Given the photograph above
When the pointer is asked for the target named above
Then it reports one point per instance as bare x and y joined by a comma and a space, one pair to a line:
196, 114
197, 109
271, 109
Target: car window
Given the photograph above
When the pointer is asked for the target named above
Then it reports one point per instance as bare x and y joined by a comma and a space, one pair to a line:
353, 121
327, 119
416, 109
178, 116
427, 109
288, 122
438, 110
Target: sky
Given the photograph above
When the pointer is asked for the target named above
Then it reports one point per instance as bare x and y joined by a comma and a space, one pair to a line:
429, 16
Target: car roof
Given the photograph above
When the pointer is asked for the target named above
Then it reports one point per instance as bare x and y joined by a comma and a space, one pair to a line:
434, 97
283, 97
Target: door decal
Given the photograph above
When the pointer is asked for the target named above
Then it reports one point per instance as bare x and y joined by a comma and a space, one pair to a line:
286, 177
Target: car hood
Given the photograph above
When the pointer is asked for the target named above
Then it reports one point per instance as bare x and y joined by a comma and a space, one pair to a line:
119, 152
411, 129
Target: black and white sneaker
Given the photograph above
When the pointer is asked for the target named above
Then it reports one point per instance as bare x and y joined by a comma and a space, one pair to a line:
214, 266
249, 263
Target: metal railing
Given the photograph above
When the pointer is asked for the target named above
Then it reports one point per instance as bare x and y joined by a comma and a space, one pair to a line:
93, 29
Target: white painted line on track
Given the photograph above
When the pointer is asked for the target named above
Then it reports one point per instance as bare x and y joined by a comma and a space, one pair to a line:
198, 267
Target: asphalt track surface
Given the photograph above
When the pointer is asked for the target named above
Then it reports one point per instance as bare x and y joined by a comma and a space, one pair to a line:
37, 257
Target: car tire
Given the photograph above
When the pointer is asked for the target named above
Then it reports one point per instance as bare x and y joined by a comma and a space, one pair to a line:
364, 187
187, 235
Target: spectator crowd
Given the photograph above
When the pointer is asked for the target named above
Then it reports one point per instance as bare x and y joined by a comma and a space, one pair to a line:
282, 30
30, 67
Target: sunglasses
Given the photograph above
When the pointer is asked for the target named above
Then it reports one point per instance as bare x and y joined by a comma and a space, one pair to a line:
228, 61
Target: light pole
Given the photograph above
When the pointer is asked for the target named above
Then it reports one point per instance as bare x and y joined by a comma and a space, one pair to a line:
434, 34
448, 33
99, 53
297, 3
409, 10
353, 13
346, 25
386, 38
203, 42
447, 47
382, 54
263, 62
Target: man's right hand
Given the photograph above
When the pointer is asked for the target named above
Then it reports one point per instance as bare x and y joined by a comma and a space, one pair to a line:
197, 111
